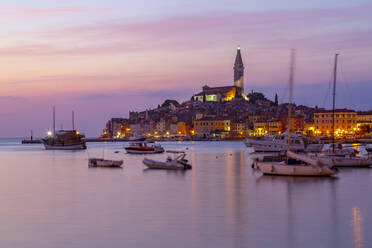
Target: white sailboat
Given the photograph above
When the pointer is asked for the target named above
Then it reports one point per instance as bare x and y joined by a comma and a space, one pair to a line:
337, 155
295, 164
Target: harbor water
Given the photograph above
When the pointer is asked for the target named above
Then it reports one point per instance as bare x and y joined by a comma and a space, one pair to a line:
52, 199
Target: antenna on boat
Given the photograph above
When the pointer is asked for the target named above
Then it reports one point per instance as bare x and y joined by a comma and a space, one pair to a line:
54, 121
73, 120
291, 72
334, 102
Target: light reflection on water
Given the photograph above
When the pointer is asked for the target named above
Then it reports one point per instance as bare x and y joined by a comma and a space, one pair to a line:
52, 199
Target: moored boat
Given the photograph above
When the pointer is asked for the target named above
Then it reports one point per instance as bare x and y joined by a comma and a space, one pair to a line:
100, 162
65, 140
177, 163
296, 165
279, 143
143, 148
368, 148
343, 161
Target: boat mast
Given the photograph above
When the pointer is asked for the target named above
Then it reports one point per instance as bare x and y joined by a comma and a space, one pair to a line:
334, 101
54, 121
73, 120
291, 72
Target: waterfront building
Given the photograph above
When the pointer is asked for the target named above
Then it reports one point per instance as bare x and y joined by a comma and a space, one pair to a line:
181, 128
260, 128
211, 126
345, 122
116, 128
364, 123
272, 127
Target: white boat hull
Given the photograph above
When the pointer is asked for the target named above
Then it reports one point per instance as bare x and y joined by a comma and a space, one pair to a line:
344, 161
293, 170
80, 146
269, 146
173, 165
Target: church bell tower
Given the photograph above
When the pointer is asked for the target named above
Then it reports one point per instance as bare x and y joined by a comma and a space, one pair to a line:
239, 71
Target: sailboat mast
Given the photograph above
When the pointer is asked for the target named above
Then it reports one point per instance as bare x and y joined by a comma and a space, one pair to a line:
291, 72
334, 101
73, 120
54, 121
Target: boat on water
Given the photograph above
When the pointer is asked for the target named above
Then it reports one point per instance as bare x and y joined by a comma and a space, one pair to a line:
143, 148
178, 162
368, 148
279, 143
294, 164
65, 140
343, 160
337, 155
100, 162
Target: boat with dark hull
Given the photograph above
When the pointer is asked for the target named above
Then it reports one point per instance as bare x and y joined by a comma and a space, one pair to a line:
65, 140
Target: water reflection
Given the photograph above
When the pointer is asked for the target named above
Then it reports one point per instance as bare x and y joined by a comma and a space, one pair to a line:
357, 226
219, 203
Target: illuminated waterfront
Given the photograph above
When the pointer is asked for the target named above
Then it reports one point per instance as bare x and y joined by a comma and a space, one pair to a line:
52, 199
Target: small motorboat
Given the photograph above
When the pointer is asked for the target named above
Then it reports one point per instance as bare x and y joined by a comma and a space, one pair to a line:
177, 163
144, 148
100, 162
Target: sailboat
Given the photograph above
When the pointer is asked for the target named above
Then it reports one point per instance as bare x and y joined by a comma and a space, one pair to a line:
337, 155
294, 164
64, 139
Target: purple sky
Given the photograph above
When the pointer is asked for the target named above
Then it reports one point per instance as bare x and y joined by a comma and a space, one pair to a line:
103, 60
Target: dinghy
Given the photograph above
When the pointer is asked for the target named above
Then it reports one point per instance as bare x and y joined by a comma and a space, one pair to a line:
177, 163
100, 162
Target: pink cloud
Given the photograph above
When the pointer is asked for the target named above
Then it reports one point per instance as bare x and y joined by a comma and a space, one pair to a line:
276, 29
47, 11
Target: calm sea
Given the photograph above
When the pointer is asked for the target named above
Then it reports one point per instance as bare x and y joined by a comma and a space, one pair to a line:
52, 199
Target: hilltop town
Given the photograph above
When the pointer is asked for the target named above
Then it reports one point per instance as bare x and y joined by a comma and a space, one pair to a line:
229, 112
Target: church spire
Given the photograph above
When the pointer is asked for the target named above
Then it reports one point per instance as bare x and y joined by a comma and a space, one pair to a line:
239, 71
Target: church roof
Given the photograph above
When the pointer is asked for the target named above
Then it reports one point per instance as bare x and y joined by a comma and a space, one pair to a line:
238, 58
215, 90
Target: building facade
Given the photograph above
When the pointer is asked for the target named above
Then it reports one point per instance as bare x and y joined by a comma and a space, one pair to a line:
345, 122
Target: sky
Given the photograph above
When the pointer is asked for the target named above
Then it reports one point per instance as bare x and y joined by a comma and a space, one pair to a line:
103, 59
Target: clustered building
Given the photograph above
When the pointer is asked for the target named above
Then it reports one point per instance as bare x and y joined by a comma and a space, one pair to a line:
227, 112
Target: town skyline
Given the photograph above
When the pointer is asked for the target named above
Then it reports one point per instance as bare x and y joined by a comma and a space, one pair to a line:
102, 63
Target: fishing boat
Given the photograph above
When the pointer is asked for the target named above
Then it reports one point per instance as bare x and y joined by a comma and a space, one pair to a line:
178, 162
64, 139
294, 164
100, 162
144, 148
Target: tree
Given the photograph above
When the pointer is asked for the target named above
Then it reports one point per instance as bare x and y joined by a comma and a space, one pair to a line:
168, 102
255, 96
276, 100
